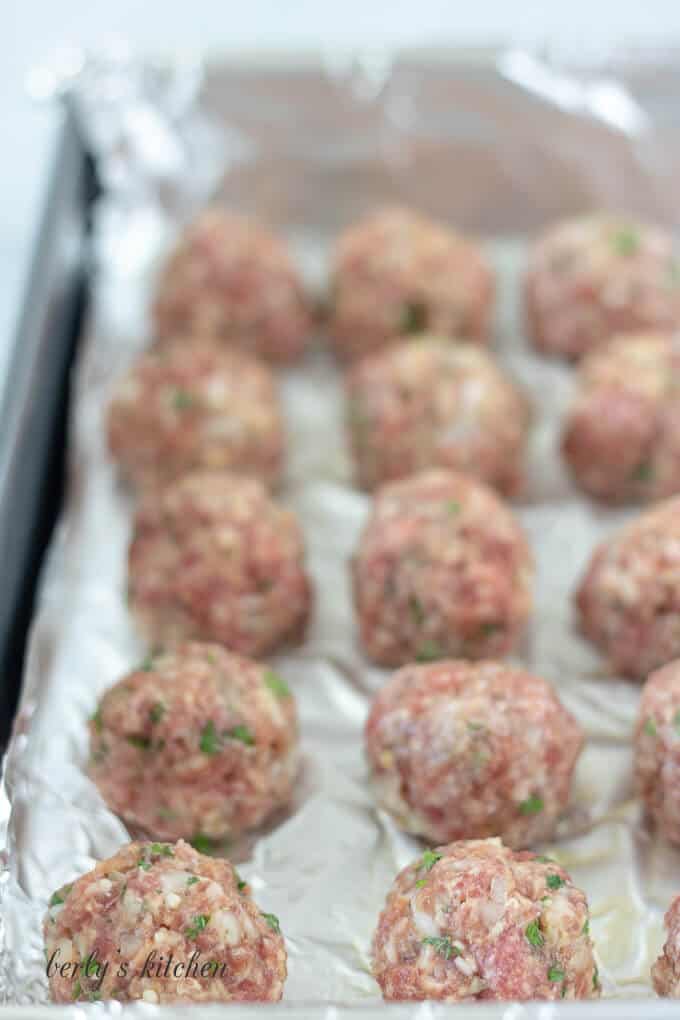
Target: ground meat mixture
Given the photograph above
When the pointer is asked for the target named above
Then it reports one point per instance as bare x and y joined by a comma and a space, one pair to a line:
196, 405
429, 403
195, 742
598, 275
629, 599
231, 280
161, 923
213, 558
657, 749
443, 570
462, 750
473, 920
666, 970
622, 437
397, 273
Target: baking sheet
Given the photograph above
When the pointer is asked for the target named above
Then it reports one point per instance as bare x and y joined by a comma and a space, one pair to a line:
326, 869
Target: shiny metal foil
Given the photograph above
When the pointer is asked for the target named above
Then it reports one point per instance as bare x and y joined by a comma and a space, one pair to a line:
498, 144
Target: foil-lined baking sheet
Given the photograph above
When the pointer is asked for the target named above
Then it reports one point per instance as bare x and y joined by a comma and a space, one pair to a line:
498, 147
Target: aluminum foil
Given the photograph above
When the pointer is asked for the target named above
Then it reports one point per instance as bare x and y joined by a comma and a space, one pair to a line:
498, 146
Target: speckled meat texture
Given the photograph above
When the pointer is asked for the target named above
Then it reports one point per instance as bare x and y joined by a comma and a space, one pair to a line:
462, 750
629, 598
622, 436
195, 742
429, 403
155, 902
213, 558
657, 749
231, 280
397, 273
196, 405
443, 570
596, 276
666, 970
473, 920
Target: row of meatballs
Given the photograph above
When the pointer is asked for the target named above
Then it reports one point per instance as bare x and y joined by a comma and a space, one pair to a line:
599, 284
468, 921
442, 570
397, 272
457, 749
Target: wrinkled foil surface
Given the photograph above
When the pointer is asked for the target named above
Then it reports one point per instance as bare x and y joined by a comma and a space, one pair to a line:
498, 146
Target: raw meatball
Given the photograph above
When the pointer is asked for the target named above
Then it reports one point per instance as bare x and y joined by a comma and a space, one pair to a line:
592, 277
427, 404
230, 279
629, 599
666, 970
398, 272
213, 558
196, 405
473, 920
657, 749
443, 570
462, 750
162, 923
195, 742
622, 437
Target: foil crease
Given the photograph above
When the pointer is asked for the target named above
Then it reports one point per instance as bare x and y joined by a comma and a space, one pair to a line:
498, 145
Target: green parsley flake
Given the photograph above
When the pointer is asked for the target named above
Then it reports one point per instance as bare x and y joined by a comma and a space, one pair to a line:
585, 930
650, 727
146, 666
545, 860
137, 740
416, 610
156, 712
96, 720
414, 317
554, 882
490, 627
453, 507
181, 400
642, 472
429, 859
420, 883
596, 979
676, 721
210, 742
555, 974
626, 240
534, 934
193, 879
533, 805
442, 945
276, 684
162, 850
273, 922
198, 924
429, 651
60, 896
202, 843
154, 850
77, 990
243, 734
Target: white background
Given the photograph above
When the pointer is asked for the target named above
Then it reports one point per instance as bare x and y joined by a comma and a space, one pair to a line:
33, 29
